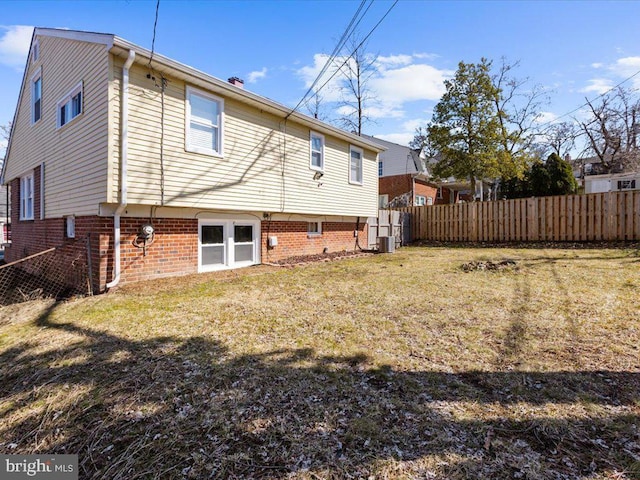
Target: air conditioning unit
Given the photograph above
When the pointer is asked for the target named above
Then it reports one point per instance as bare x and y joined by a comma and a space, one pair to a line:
386, 244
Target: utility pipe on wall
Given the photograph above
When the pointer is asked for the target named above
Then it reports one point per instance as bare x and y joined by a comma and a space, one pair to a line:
124, 126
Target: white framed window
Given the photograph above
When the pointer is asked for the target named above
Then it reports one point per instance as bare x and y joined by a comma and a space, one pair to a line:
421, 200
626, 184
36, 96
383, 200
204, 123
26, 197
316, 160
35, 52
355, 165
439, 193
70, 226
226, 244
429, 200
314, 228
380, 168
70, 106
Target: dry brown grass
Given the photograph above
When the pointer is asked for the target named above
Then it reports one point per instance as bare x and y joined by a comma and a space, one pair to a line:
398, 366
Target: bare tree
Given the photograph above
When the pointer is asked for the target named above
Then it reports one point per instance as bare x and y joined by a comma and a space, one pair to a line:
421, 141
559, 138
314, 105
517, 107
612, 130
5, 130
357, 96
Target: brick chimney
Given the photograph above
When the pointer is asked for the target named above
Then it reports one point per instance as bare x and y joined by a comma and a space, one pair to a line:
238, 82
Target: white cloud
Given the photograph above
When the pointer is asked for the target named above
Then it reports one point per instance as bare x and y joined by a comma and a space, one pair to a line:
426, 56
331, 91
256, 75
410, 83
598, 85
626, 67
399, 138
597, 65
394, 60
14, 45
395, 81
546, 117
412, 125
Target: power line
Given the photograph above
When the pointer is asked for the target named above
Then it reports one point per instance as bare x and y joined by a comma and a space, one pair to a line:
589, 101
348, 57
155, 24
356, 48
345, 35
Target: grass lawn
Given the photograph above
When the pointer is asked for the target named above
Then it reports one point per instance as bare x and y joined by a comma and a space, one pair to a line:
399, 366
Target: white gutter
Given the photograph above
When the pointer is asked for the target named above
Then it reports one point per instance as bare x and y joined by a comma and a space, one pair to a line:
124, 150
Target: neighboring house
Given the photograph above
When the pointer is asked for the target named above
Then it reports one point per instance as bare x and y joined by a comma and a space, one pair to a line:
594, 178
166, 170
614, 182
404, 179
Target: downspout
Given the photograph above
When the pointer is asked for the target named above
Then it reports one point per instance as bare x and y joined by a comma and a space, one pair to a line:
124, 141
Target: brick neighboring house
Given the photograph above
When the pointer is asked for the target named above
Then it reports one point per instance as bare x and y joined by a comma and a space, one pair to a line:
165, 170
404, 179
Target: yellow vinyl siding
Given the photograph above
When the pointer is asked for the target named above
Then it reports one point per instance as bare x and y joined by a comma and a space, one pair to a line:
75, 156
265, 165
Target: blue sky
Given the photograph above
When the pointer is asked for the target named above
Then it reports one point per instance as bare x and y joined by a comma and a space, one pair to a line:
574, 49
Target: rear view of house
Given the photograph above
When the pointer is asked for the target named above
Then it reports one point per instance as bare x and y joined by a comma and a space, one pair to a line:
164, 170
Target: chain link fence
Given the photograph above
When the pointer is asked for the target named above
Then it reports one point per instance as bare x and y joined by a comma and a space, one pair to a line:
60, 272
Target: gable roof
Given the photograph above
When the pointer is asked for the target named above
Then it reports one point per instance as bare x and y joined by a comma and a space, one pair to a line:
402, 152
121, 47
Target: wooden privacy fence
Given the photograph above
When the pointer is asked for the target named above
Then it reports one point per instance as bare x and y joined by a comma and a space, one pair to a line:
611, 216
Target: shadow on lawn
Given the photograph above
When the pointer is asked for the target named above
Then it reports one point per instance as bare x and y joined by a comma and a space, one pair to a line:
176, 408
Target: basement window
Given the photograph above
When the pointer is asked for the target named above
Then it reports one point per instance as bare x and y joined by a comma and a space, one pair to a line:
314, 228
70, 226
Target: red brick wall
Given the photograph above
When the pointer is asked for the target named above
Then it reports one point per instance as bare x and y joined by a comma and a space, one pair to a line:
425, 189
174, 250
293, 239
395, 185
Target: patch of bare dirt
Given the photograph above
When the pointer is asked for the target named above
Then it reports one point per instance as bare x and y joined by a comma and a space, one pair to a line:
490, 266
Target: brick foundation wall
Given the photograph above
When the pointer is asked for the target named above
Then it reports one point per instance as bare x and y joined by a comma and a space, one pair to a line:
293, 239
174, 250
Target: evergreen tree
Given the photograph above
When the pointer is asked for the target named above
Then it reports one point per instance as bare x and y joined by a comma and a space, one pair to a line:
465, 129
553, 177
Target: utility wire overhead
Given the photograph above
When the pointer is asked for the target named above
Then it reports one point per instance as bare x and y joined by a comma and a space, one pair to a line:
338, 47
356, 48
589, 101
155, 24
